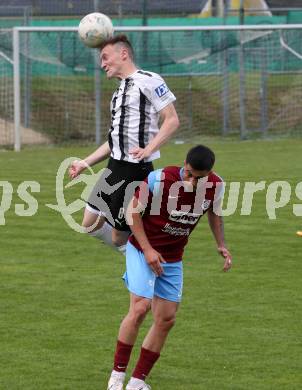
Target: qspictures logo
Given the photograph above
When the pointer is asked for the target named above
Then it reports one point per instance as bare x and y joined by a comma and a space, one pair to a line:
237, 196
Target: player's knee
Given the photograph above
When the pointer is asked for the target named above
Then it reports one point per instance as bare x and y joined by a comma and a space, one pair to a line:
89, 229
139, 312
87, 224
92, 223
165, 323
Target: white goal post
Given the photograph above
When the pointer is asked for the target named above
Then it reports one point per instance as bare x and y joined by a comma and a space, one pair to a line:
247, 31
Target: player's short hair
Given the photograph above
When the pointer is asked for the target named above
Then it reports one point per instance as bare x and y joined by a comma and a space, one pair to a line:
201, 158
120, 40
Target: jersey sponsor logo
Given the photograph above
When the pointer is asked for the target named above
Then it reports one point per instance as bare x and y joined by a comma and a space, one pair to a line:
161, 90
184, 217
175, 231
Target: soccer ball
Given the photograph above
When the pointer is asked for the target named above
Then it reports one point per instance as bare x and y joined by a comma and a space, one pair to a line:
94, 28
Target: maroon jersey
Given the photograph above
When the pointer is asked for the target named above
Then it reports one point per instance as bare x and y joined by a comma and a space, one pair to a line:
172, 212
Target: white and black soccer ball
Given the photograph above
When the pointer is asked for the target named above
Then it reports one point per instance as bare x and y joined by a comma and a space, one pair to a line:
94, 28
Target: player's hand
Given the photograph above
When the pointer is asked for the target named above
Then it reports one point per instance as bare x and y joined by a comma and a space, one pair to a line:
227, 258
139, 153
154, 260
76, 167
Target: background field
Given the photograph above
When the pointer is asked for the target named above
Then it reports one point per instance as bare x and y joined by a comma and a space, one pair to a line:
62, 298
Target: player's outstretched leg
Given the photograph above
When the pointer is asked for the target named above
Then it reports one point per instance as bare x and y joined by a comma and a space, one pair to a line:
96, 226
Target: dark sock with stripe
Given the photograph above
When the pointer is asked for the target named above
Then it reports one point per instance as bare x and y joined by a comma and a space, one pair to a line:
145, 363
122, 356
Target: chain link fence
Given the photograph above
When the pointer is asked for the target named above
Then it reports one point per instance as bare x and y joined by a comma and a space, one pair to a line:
227, 82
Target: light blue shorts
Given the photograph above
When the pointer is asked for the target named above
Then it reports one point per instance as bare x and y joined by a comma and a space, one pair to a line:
142, 281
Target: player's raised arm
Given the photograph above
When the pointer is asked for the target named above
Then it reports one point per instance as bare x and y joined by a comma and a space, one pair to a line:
170, 123
98, 155
217, 227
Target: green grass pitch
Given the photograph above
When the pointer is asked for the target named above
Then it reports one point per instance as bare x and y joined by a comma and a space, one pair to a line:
62, 297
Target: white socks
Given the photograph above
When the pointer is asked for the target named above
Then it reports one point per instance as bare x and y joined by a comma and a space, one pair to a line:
105, 234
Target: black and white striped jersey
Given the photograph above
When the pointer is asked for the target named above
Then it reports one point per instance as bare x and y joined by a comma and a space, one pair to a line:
135, 108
